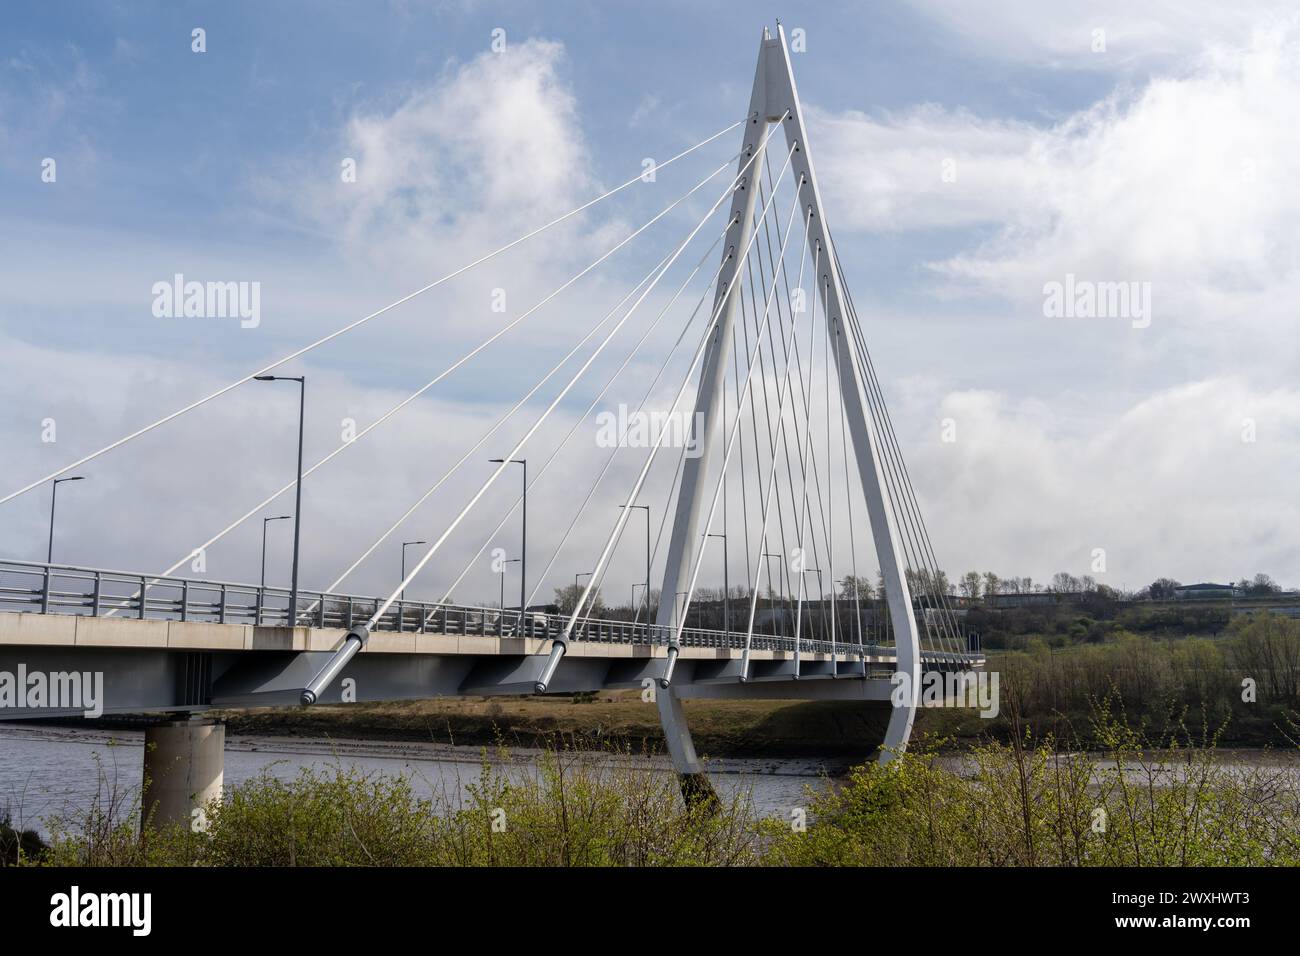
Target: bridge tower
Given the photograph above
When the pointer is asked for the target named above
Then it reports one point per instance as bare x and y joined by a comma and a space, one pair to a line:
775, 99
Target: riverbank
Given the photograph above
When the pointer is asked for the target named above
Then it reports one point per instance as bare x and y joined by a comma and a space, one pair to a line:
720, 728
1027, 804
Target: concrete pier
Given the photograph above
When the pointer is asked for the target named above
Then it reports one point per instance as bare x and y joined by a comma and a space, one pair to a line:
184, 764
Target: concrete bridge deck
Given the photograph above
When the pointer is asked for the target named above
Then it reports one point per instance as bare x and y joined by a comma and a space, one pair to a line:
161, 665
184, 644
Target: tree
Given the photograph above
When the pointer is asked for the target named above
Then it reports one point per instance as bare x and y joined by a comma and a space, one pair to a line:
1262, 586
1064, 583
1162, 589
567, 596
970, 585
924, 583
1268, 648
858, 587
992, 584
941, 583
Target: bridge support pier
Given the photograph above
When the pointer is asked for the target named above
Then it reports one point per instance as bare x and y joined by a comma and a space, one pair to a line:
184, 765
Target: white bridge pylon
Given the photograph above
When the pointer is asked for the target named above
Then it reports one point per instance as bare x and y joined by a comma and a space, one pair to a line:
775, 100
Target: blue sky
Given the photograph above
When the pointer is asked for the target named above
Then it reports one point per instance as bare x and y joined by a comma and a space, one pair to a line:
1164, 157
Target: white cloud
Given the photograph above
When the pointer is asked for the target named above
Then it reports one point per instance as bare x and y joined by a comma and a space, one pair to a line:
1185, 183
51, 100
1092, 434
1168, 487
1060, 34
1147, 184
491, 150
888, 174
144, 506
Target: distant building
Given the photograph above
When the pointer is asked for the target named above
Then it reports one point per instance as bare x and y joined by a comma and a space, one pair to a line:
1031, 598
1206, 592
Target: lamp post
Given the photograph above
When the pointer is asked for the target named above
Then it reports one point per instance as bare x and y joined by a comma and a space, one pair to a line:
818, 572
646, 509
636, 611
405, 545
771, 594
584, 574
726, 587
503, 581
523, 548
857, 606
54, 491
297, 504
265, 522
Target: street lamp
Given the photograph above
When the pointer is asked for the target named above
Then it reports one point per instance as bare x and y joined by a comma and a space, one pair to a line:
405, 545
297, 504
54, 491
265, 521
857, 606
523, 548
503, 580
771, 594
584, 574
818, 572
637, 611
726, 588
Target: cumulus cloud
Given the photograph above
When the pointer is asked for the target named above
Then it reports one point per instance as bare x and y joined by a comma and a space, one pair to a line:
1061, 34
1184, 183
490, 150
1179, 179
1186, 483
927, 167
1086, 433
144, 506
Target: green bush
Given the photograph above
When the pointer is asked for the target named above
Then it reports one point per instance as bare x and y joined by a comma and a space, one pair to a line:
1023, 803
577, 809
1148, 797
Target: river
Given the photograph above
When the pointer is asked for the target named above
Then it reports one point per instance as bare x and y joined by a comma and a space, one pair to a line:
48, 771
52, 771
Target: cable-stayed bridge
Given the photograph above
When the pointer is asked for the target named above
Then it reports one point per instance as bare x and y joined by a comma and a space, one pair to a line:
776, 442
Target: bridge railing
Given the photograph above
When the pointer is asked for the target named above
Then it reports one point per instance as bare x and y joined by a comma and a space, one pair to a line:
37, 587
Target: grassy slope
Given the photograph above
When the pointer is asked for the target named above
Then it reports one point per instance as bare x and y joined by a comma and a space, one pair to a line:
720, 728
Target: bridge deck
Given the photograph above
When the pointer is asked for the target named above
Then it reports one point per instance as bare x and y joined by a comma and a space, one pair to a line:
182, 644
93, 607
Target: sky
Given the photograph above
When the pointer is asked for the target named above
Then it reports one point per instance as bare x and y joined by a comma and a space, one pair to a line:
972, 158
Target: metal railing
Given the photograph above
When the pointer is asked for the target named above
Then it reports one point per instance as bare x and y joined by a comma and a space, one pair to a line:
35, 587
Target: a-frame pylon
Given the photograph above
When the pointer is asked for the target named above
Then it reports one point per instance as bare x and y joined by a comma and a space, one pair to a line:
775, 99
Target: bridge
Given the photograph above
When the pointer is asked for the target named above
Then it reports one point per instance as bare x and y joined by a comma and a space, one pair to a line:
787, 439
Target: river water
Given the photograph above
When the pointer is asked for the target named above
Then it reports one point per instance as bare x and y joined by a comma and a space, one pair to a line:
54, 771
57, 771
